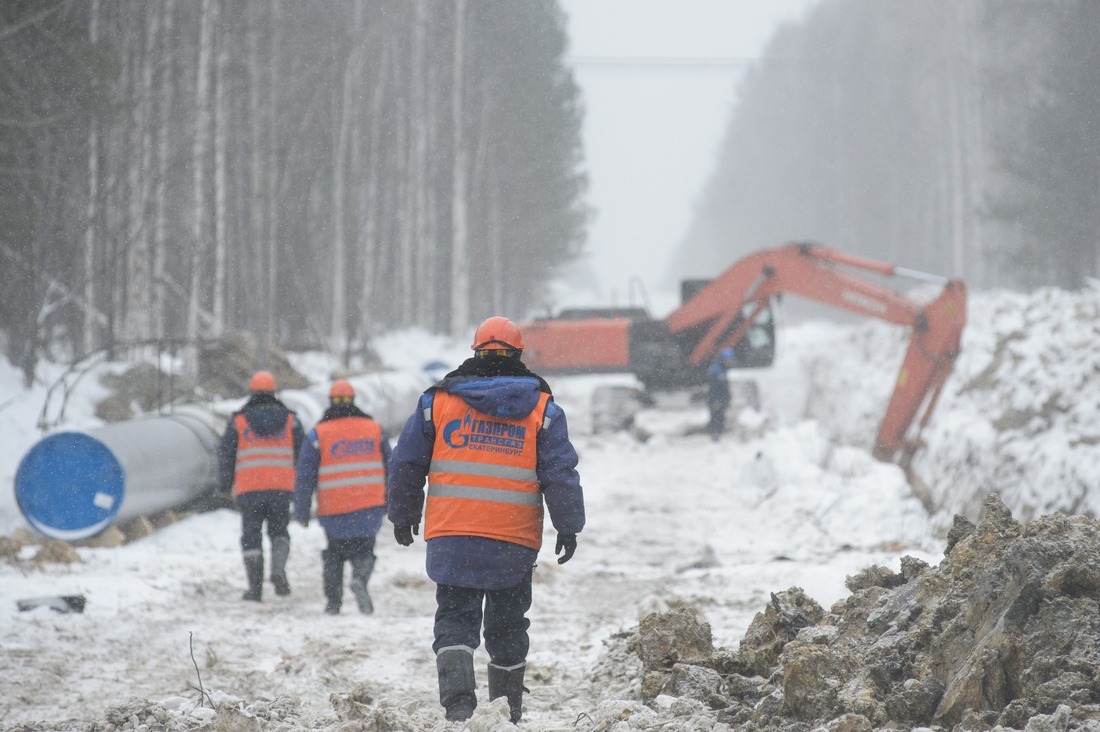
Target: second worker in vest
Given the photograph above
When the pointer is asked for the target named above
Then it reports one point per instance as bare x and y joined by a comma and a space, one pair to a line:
493, 446
256, 457
344, 461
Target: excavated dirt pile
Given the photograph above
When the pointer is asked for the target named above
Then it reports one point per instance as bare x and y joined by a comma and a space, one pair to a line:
1004, 634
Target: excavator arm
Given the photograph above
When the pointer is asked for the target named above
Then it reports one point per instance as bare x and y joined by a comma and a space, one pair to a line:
721, 313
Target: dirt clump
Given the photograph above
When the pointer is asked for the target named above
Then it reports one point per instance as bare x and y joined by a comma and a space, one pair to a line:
1004, 634
226, 366
45, 550
140, 389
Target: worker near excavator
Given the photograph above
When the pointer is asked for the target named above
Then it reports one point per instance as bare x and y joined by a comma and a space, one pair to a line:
718, 393
256, 461
343, 460
494, 447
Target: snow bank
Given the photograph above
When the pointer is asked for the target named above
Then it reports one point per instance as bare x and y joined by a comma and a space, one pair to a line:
1019, 414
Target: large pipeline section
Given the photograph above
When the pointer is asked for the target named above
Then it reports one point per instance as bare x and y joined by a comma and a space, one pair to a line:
74, 484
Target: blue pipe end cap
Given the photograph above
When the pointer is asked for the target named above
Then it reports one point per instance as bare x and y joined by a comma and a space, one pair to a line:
69, 486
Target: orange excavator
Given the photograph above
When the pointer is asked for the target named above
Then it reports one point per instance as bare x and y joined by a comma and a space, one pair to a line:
733, 311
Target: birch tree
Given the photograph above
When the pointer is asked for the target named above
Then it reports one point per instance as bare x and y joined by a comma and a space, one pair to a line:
198, 167
159, 235
221, 134
256, 255
352, 68
460, 272
138, 273
88, 340
369, 209
272, 180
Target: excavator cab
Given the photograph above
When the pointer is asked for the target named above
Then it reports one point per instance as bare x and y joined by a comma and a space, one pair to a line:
662, 360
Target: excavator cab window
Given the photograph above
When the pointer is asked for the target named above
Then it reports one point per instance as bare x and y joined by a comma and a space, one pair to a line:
757, 348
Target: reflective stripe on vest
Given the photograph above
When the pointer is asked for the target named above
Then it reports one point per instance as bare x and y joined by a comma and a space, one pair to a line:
352, 476
263, 463
482, 480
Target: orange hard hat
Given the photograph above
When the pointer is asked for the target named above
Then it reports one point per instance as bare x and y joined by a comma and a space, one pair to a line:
496, 334
262, 381
341, 389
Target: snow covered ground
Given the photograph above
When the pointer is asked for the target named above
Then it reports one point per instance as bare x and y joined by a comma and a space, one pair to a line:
790, 497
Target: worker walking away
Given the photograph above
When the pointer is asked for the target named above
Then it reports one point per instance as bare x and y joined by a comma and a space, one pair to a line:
718, 393
256, 461
343, 460
494, 446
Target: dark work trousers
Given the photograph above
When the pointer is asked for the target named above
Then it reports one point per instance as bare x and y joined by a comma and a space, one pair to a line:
458, 619
260, 506
717, 424
342, 550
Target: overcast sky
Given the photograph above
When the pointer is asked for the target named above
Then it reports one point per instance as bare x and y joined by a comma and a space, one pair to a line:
658, 79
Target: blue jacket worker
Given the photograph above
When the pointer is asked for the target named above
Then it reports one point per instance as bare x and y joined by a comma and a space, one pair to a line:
343, 461
256, 460
718, 393
494, 448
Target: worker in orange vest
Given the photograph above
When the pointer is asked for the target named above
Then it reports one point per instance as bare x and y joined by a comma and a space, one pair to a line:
343, 460
494, 447
256, 461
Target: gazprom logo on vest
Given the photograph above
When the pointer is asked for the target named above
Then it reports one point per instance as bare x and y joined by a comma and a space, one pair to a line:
484, 434
347, 448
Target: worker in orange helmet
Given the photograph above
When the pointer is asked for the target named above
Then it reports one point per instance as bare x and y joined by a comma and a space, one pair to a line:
494, 447
256, 461
343, 460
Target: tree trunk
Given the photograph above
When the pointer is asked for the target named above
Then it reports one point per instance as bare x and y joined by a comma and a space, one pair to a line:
339, 316
425, 273
257, 280
221, 131
139, 298
164, 122
272, 314
198, 162
114, 225
415, 283
460, 273
369, 210
89, 340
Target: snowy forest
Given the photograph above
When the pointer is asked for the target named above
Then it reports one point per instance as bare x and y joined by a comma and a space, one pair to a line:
310, 173
962, 138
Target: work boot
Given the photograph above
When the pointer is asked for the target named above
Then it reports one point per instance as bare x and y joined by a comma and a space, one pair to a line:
456, 683
254, 571
361, 569
280, 552
332, 578
508, 682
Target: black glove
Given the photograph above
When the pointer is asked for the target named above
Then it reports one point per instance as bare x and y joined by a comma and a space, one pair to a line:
404, 533
568, 542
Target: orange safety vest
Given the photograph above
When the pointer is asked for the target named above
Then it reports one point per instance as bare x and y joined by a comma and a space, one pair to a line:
482, 480
263, 463
351, 476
